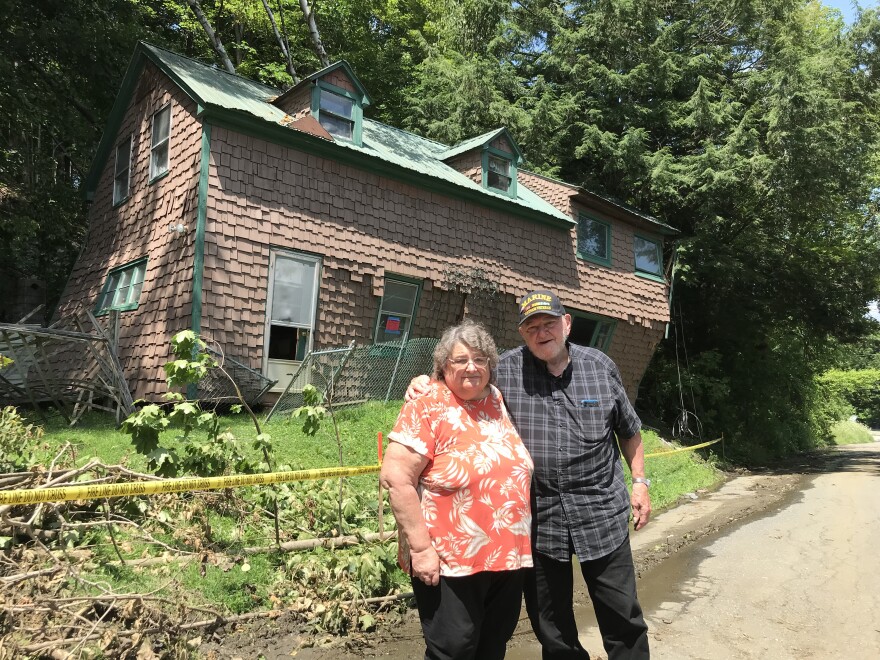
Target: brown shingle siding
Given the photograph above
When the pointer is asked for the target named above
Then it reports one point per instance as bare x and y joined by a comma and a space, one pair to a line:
139, 227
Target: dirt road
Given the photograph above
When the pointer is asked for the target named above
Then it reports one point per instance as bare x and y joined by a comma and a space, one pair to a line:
774, 565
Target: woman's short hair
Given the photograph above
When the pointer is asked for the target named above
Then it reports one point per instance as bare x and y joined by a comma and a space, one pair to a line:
471, 334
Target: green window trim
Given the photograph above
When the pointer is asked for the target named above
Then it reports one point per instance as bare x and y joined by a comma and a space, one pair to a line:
123, 287
589, 256
406, 281
656, 273
492, 153
160, 146
122, 192
357, 111
602, 333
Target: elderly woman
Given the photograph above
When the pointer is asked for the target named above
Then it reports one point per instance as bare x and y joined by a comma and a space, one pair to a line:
458, 476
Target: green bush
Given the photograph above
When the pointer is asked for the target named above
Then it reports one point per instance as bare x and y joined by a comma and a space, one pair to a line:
853, 392
851, 433
17, 440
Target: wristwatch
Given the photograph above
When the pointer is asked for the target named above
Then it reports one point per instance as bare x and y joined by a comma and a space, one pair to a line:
642, 480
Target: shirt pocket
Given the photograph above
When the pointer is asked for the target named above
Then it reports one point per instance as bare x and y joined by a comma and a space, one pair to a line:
593, 417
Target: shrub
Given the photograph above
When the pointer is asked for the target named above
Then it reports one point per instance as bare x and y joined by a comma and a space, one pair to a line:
856, 391
17, 440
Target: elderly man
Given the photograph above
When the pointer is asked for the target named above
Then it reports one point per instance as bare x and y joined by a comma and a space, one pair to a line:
571, 410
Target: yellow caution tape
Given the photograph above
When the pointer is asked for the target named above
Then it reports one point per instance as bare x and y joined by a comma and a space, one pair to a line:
676, 451
66, 493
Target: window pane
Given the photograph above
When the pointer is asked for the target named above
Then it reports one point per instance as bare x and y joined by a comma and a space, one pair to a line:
499, 165
122, 289
592, 237
161, 125
647, 256
399, 298
336, 103
123, 155
603, 334
120, 187
159, 160
336, 126
392, 327
498, 182
293, 293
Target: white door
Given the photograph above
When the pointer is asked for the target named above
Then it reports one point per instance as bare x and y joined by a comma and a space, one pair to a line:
292, 302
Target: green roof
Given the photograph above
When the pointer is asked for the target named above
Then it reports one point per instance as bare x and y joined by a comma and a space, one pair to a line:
249, 104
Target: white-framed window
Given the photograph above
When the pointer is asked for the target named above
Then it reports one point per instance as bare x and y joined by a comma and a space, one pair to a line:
122, 171
294, 279
396, 310
159, 142
591, 330
648, 256
122, 288
594, 240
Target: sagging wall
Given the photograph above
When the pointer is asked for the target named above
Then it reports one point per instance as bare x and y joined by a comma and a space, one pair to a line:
364, 226
138, 227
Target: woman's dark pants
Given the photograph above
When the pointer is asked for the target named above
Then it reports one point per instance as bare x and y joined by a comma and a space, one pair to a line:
611, 581
470, 617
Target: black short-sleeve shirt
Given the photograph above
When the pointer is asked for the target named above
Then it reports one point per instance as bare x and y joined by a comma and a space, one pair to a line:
568, 423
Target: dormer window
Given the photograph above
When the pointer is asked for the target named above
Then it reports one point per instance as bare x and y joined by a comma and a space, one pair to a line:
499, 171
336, 114
339, 111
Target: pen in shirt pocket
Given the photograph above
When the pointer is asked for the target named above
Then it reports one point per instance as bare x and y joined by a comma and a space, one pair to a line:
589, 403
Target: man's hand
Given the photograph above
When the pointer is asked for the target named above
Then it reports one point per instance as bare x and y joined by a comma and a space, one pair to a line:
641, 506
426, 566
418, 387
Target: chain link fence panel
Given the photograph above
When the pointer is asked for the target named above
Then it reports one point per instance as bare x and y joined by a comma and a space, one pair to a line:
357, 374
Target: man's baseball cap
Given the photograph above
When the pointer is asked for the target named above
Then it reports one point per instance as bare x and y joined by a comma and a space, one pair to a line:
539, 302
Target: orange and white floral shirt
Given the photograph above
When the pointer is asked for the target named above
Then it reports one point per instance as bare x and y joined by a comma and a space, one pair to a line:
475, 488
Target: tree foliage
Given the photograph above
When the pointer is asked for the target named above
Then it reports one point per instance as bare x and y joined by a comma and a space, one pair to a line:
752, 127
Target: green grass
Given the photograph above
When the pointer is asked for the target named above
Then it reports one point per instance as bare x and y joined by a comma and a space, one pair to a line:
674, 475
850, 433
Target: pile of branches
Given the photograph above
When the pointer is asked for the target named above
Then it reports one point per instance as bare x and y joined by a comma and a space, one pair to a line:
58, 595
50, 602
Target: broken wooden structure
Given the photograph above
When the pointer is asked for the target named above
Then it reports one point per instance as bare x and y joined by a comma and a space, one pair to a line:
71, 365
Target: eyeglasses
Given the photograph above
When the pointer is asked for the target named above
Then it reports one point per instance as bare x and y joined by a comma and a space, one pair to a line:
480, 362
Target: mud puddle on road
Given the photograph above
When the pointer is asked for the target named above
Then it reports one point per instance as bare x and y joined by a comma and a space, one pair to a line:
668, 580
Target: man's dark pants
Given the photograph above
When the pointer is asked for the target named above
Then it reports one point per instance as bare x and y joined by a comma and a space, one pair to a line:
611, 581
470, 617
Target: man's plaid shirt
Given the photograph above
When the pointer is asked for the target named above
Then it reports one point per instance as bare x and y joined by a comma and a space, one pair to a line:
579, 498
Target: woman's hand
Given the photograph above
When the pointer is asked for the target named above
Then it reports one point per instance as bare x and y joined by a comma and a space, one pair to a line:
418, 386
426, 565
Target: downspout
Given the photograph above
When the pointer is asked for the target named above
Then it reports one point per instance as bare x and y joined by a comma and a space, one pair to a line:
199, 248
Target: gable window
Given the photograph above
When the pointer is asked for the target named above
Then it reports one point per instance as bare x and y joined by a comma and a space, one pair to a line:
648, 257
591, 330
159, 142
594, 240
292, 303
121, 171
499, 171
123, 287
396, 311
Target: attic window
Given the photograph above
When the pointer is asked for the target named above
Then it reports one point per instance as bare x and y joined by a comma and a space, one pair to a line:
499, 171
336, 113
